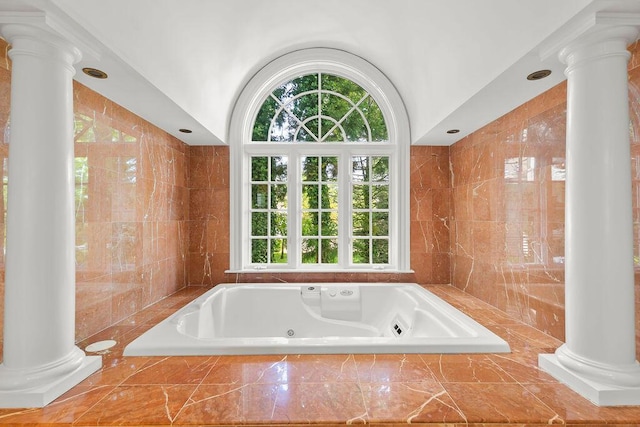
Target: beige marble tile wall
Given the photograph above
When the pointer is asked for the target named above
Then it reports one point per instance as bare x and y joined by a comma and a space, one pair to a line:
131, 211
508, 207
131, 208
430, 186
208, 179
209, 223
508, 212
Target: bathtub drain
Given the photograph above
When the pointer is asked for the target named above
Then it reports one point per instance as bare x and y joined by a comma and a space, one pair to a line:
291, 332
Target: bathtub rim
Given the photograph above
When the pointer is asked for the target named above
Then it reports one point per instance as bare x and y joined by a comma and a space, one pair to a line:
153, 342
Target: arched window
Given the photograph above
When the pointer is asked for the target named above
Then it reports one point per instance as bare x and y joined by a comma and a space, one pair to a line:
319, 162
320, 107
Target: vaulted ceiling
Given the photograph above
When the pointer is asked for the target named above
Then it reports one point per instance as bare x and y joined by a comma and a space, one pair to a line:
182, 63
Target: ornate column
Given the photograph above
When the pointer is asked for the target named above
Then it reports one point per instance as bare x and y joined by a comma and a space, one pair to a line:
41, 360
598, 358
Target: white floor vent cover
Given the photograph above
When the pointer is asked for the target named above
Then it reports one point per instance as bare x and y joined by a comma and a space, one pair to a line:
99, 346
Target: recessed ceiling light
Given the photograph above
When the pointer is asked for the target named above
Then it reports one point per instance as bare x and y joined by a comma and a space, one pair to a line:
185, 130
95, 73
453, 131
538, 75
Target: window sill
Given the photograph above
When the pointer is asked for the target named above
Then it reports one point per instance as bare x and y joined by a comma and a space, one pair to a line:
315, 271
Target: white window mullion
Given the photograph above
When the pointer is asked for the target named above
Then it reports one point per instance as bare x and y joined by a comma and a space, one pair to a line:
344, 212
393, 211
295, 208
246, 211
320, 136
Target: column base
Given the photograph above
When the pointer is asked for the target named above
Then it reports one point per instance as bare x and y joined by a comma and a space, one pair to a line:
597, 392
42, 395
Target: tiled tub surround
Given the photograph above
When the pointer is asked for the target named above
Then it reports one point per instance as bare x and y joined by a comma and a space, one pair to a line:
208, 223
487, 214
459, 390
152, 214
130, 213
483, 223
508, 216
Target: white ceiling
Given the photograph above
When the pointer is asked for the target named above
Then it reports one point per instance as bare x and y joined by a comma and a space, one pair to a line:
182, 63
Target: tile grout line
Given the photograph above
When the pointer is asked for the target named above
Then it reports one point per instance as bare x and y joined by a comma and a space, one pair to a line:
113, 387
441, 384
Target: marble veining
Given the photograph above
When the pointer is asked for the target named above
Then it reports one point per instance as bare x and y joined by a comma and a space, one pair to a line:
389, 389
487, 215
507, 218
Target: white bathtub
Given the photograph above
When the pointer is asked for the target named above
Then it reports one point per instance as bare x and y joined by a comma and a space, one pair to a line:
322, 318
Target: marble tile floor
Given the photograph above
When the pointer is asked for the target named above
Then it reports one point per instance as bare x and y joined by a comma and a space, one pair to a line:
452, 390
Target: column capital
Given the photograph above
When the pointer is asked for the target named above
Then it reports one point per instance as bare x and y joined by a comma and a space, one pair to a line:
592, 30
29, 39
604, 42
54, 24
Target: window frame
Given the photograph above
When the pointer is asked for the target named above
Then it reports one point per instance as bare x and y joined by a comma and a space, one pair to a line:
259, 87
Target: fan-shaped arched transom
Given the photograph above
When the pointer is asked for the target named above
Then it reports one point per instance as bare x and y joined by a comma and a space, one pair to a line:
320, 107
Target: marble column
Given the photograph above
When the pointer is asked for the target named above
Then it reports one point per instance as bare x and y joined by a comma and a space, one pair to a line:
598, 358
41, 360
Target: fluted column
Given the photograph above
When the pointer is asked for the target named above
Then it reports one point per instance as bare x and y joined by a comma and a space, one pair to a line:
598, 359
41, 360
